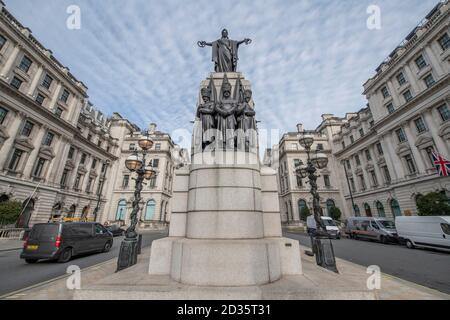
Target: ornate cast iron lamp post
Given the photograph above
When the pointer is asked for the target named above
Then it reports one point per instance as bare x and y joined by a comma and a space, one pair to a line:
130, 246
320, 240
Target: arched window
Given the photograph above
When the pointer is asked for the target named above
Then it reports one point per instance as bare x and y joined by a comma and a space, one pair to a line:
368, 210
330, 204
301, 206
85, 212
72, 210
121, 210
150, 210
380, 209
357, 212
4, 198
395, 207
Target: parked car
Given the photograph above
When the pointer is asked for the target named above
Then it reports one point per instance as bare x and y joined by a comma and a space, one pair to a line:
115, 230
424, 232
331, 226
63, 240
380, 229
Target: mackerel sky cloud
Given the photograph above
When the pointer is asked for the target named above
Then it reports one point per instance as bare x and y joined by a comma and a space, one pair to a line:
140, 58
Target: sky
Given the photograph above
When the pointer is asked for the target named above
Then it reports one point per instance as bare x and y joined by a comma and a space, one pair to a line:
140, 57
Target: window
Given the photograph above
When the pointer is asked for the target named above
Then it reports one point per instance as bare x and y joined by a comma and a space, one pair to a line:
27, 128
83, 158
2, 41
16, 83
387, 175
150, 210
407, 95
390, 108
363, 182
352, 139
420, 62
121, 210
401, 79
420, 125
158, 146
410, 164
89, 137
25, 64
125, 181
444, 112
103, 167
152, 182
361, 132
352, 184
326, 180
3, 114
371, 123
71, 152
48, 139
64, 177
58, 112
47, 82
430, 156
297, 163
99, 143
64, 96
155, 163
358, 161
132, 147
319, 147
429, 80
89, 185
40, 99
374, 178
15, 159
349, 166
77, 182
343, 144
299, 181
380, 149
446, 228
401, 135
444, 41
385, 92
39, 167
380, 209
94, 163
368, 155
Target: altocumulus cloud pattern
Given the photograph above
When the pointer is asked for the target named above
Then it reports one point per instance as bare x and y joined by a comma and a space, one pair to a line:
140, 57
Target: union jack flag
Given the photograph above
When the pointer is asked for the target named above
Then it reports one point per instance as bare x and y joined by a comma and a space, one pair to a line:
442, 165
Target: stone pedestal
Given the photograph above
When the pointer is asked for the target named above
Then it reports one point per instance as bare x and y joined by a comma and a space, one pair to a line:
225, 226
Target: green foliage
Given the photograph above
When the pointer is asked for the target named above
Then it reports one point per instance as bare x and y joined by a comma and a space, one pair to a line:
10, 211
335, 213
433, 204
304, 213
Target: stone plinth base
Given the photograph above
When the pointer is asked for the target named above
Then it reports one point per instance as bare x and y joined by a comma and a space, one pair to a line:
225, 262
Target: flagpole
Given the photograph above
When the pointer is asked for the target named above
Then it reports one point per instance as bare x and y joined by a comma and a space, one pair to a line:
29, 199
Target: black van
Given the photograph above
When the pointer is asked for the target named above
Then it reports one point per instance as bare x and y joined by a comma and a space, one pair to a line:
63, 240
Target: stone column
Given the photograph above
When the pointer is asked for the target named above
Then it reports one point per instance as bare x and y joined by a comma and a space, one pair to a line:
411, 77
421, 167
35, 81
55, 97
435, 62
393, 91
61, 150
37, 142
14, 127
10, 62
392, 161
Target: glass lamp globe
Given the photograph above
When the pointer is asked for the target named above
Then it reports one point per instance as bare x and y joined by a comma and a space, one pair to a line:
306, 141
320, 161
145, 143
133, 162
149, 172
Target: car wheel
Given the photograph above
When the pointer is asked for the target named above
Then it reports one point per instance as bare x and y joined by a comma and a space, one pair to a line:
31, 260
107, 246
383, 240
409, 244
355, 237
65, 256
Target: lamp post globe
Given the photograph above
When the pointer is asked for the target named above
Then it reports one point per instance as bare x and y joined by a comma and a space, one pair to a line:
145, 143
133, 162
306, 141
149, 172
320, 161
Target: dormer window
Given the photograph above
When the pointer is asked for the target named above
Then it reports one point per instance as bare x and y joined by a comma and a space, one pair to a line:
385, 92
420, 62
25, 64
444, 41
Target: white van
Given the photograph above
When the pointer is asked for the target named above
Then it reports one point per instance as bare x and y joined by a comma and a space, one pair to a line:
424, 232
372, 228
332, 228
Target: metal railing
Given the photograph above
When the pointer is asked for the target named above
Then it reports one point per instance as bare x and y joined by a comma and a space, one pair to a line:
12, 233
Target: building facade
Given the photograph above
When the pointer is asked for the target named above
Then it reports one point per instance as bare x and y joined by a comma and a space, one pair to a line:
54, 145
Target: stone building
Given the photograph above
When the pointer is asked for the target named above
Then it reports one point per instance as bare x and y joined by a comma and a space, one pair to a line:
294, 191
157, 192
54, 145
387, 146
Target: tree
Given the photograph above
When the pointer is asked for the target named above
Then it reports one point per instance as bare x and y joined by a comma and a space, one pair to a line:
304, 213
433, 204
10, 211
335, 213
